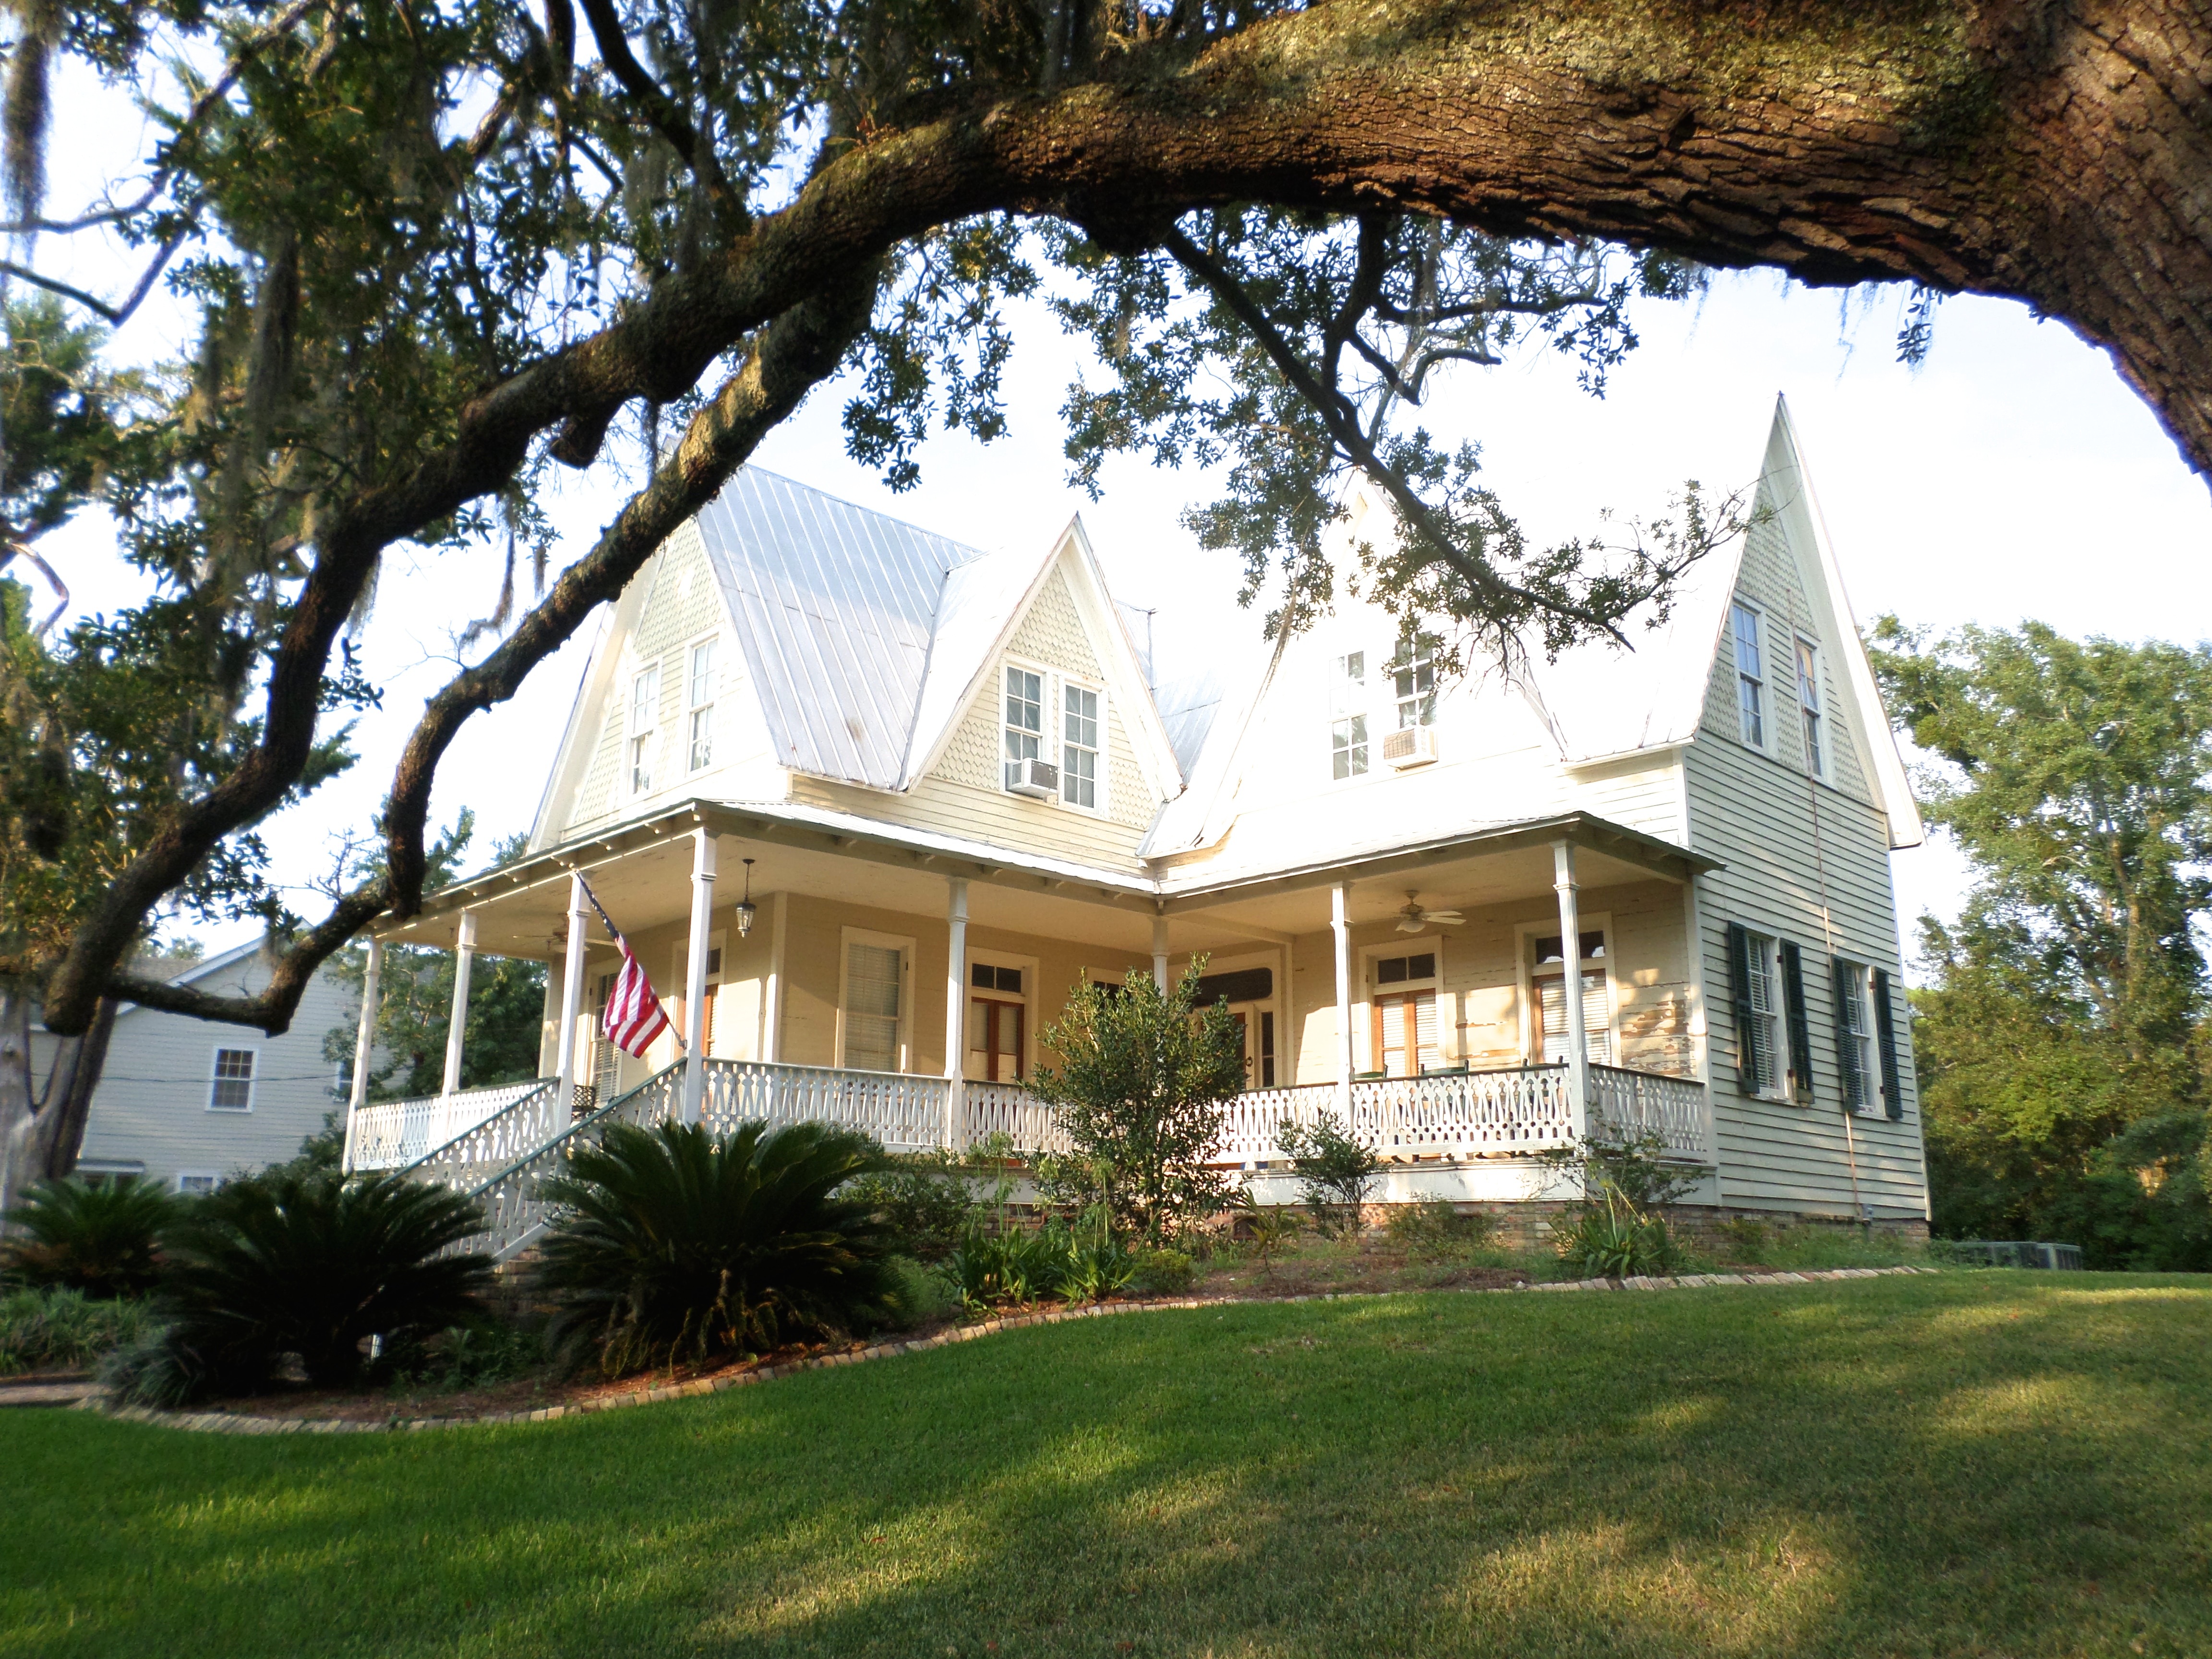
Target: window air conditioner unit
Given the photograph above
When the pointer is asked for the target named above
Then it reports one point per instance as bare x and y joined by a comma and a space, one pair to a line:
1037, 779
1409, 746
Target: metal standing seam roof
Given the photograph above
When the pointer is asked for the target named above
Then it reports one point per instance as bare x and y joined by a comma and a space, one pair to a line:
837, 607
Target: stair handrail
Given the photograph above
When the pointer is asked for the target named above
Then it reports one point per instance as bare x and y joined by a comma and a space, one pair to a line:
545, 1083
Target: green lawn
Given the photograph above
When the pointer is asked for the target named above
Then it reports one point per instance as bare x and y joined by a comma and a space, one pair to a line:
1974, 1463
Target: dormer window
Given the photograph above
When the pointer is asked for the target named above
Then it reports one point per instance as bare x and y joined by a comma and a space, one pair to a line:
1347, 731
699, 701
1808, 703
1414, 685
1079, 763
1024, 713
1750, 675
644, 717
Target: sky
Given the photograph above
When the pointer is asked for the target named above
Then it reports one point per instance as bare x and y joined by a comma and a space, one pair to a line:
2011, 475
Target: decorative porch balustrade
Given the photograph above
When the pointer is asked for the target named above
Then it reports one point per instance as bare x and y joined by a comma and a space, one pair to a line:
394, 1133
500, 1159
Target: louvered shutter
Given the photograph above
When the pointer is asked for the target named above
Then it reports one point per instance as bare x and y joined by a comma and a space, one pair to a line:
1884, 1034
1739, 970
1801, 1028
1842, 987
1597, 1033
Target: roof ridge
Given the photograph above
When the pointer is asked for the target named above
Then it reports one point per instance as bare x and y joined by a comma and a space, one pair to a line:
973, 551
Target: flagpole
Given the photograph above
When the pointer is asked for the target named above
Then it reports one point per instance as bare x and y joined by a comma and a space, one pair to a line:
622, 944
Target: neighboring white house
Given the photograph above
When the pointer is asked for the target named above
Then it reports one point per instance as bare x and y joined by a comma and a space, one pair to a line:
189, 1102
867, 802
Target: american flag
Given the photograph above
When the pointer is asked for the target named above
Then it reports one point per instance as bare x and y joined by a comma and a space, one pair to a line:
635, 1016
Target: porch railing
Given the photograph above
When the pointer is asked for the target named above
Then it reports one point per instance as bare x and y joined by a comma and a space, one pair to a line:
1008, 1108
394, 1133
1674, 1109
904, 1112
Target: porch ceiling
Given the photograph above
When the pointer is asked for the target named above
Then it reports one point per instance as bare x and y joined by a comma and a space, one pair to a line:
643, 874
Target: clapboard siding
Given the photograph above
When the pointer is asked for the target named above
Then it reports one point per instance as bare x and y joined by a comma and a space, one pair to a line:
1644, 794
1807, 862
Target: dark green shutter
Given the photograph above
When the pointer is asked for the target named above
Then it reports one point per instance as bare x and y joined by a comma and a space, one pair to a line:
1885, 1032
1747, 1057
1800, 1029
1842, 986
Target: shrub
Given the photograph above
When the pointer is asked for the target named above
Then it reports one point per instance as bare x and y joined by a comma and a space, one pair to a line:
1335, 1170
1744, 1239
677, 1246
286, 1263
53, 1329
471, 1355
926, 1200
1271, 1227
1163, 1272
1082, 1263
102, 1240
1436, 1227
1613, 1239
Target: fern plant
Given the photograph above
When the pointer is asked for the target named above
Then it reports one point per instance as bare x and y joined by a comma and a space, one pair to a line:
103, 1241
674, 1246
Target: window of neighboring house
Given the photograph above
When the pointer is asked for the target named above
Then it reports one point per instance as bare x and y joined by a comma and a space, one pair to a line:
875, 1004
1347, 706
998, 1023
644, 716
1809, 704
1025, 716
1855, 1051
1750, 675
1413, 684
1405, 1015
1547, 981
1762, 1036
1078, 766
196, 1184
699, 699
233, 1087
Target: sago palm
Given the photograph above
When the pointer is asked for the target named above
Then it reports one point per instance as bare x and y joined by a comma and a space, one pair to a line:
103, 1240
673, 1245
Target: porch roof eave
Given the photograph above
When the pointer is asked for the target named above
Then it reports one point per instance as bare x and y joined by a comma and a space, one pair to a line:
1661, 857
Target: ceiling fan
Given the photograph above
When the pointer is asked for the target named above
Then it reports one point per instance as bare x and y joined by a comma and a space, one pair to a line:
1413, 917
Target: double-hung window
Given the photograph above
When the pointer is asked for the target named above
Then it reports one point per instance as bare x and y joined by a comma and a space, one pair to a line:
1768, 1025
644, 719
1750, 675
232, 1088
1855, 1036
1413, 684
699, 700
1405, 1038
1347, 731
1079, 748
1809, 704
1547, 979
1025, 715
875, 1004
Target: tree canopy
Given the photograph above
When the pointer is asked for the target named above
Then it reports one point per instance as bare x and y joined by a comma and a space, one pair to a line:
433, 250
2061, 1039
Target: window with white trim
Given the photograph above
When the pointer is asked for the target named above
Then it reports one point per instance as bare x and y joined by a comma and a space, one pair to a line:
1548, 983
1405, 1037
1809, 707
196, 1184
1767, 1038
232, 1087
699, 701
1347, 706
1024, 713
874, 1024
644, 719
1854, 1052
1750, 675
1079, 748
1413, 684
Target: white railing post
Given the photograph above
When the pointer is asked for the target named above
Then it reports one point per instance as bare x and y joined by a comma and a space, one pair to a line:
364, 1045
1571, 952
956, 1012
1160, 953
457, 1023
572, 990
1339, 904
695, 974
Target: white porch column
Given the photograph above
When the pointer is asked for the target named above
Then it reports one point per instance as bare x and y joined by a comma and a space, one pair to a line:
457, 1025
956, 1013
1571, 951
572, 989
1339, 905
1160, 953
364, 1043
695, 975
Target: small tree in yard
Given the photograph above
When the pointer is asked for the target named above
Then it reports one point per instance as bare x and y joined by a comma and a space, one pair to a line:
1335, 1170
1140, 1076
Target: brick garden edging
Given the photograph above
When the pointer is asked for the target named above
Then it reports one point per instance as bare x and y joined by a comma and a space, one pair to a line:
241, 1423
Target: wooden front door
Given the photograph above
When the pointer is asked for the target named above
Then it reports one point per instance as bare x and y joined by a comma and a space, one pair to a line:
997, 1033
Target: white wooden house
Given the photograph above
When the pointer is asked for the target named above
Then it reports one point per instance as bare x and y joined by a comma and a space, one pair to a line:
187, 1102
868, 802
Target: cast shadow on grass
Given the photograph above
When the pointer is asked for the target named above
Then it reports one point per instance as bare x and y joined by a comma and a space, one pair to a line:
1946, 1466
